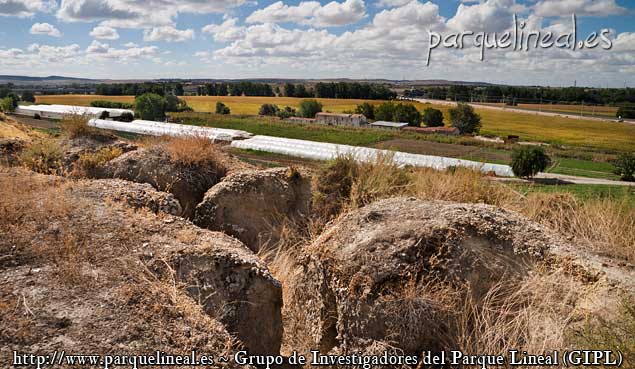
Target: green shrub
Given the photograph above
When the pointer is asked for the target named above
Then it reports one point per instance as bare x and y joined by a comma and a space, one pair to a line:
174, 104
222, 108
464, 118
287, 112
268, 109
43, 156
433, 117
6, 105
529, 161
89, 162
626, 112
150, 106
366, 109
406, 113
625, 167
309, 108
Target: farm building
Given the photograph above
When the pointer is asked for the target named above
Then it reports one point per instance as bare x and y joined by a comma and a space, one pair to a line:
332, 119
59, 111
388, 125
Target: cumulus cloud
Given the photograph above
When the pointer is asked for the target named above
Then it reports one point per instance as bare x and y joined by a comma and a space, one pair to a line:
24, 8
138, 13
487, 16
168, 33
104, 33
559, 8
45, 29
311, 13
226, 31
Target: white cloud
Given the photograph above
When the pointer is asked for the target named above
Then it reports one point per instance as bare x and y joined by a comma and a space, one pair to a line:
311, 13
488, 16
391, 3
564, 8
97, 48
138, 13
226, 31
104, 33
45, 29
24, 8
131, 45
168, 33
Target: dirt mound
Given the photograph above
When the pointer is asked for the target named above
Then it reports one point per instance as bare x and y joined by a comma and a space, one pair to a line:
251, 205
87, 275
135, 195
188, 183
383, 273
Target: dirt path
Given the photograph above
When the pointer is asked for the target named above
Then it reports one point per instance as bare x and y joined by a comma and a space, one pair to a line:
525, 111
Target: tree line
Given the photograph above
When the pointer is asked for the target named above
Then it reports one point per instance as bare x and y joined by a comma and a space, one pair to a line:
518, 94
235, 89
138, 89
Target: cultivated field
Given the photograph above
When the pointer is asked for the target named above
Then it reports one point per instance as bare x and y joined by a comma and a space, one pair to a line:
555, 130
585, 110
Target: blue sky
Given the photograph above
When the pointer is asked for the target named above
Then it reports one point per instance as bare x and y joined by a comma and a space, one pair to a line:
124, 39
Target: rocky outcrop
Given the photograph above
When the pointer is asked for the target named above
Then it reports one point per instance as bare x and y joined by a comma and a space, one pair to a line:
372, 275
252, 205
188, 183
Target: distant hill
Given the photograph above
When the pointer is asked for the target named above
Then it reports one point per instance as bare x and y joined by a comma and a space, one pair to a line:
62, 80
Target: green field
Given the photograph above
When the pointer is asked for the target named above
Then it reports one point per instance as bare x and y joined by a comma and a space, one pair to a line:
582, 191
611, 136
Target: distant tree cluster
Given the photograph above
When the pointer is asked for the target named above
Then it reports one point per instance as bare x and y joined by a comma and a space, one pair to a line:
513, 95
464, 118
340, 90
151, 106
391, 112
111, 104
236, 89
353, 90
274, 110
138, 89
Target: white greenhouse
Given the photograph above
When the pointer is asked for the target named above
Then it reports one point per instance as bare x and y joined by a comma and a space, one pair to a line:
147, 127
59, 111
326, 151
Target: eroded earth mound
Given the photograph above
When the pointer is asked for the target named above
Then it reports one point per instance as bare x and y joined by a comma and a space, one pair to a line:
252, 205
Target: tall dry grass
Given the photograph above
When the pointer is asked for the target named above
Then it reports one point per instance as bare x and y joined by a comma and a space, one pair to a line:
37, 224
533, 315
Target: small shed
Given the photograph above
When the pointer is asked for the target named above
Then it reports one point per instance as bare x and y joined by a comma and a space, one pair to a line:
388, 125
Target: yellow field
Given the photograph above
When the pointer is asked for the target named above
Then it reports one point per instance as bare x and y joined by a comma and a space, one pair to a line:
605, 135
586, 110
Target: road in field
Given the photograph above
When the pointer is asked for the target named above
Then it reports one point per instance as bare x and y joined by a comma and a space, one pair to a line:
524, 111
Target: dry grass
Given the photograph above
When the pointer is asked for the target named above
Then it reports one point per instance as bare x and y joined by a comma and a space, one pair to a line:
76, 126
43, 156
38, 220
89, 162
193, 151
